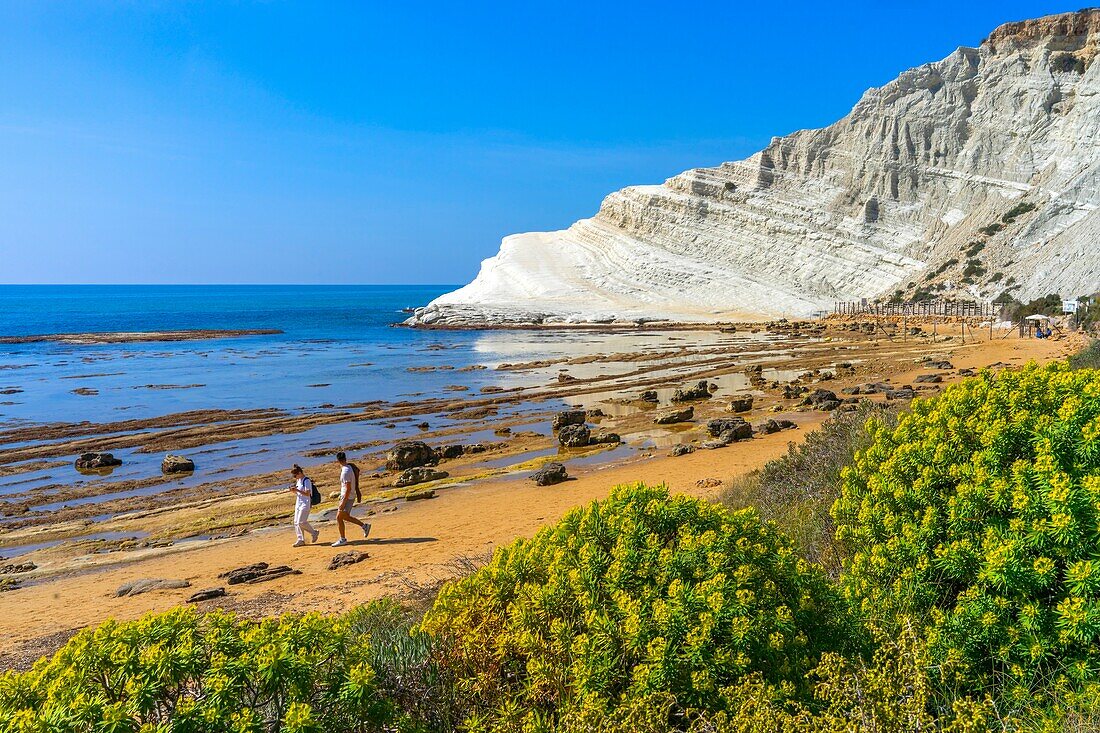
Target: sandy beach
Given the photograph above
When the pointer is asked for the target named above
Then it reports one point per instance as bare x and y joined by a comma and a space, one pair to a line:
487, 501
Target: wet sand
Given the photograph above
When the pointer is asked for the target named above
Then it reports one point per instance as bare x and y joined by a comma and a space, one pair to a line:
197, 531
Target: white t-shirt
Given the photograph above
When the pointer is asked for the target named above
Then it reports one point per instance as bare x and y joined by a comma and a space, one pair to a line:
304, 484
347, 482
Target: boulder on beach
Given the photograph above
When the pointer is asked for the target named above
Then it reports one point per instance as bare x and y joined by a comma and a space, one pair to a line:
567, 417
447, 452
700, 391
410, 454
419, 475
96, 461
650, 395
729, 429
674, 416
604, 437
257, 573
176, 464
144, 585
574, 436
928, 379
822, 399
550, 474
206, 595
682, 450
343, 559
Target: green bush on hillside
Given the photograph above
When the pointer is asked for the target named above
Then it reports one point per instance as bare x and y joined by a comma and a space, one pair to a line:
641, 597
180, 671
978, 515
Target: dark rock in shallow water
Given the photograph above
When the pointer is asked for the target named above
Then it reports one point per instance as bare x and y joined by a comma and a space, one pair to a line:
674, 416
742, 403
206, 595
343, 559
410, 454
604, 437
650, 395
176, 464
419, 475
574, 436
701, 391
568, 417
550, 474
96, 461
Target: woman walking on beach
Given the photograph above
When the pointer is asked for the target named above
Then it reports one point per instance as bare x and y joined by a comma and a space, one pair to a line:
303, 490
349, 492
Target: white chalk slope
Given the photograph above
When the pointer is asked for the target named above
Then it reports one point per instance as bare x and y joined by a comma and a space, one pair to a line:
873, 203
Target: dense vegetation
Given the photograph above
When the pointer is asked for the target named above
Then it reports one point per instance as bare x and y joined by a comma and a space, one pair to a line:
954, 586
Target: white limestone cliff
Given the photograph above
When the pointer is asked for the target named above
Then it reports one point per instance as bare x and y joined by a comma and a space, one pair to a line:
898, 195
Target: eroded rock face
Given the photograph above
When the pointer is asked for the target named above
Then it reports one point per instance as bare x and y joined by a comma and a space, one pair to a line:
917, 171
410, 454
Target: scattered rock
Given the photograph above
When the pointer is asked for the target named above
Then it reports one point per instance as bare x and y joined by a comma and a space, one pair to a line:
206, 595
928, 379
550, 474
742, 403
7, 584
502, 431
595, 413
85, 391
257, 573
767, 427
674, 416
939, 364
96, 461
448, 452
729, 429
420, 495
564, 378
343, 559
422, 426
967, 372
569, 417
574, 436
422, 474
176, 464
682, 450
491, 389
701, 391
144, 585
902, 393
793, 391
410, 454
708, 483
604, 437
822, 399
650, 395
14, 568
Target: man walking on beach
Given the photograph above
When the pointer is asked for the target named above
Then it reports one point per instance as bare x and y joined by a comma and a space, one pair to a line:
349, 489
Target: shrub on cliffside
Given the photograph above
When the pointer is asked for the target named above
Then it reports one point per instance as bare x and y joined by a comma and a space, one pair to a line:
978, 515
638, 601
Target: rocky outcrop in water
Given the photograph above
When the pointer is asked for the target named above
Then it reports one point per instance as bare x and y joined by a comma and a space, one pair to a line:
972, 175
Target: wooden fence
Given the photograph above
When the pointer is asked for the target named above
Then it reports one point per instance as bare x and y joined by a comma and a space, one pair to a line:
934, 308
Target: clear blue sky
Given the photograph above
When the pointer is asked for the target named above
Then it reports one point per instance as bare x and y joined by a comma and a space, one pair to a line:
389, 142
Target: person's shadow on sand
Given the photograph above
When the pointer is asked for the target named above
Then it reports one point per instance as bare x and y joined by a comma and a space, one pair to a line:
392, 541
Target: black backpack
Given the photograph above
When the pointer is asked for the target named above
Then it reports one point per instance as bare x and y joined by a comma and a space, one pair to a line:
315, 495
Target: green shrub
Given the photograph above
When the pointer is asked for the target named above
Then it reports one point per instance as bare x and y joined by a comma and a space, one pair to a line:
797, 490
1088, 357
990, 229
180, 671
1016, 211
638, 597
978, 515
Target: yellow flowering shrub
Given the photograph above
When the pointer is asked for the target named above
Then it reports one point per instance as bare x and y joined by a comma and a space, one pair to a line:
642, 596
979, 515
185, 673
